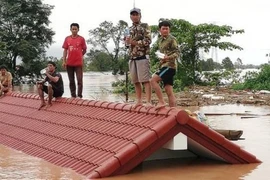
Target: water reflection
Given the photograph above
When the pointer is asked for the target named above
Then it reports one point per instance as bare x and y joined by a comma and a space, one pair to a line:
17, 165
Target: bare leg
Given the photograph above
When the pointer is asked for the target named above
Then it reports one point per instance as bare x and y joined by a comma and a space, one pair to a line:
138, 91
170, 94
155, 85
1, 90
41, 95
148, 92
50, 95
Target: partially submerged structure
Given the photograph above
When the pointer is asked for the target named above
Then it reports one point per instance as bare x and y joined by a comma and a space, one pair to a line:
100, 139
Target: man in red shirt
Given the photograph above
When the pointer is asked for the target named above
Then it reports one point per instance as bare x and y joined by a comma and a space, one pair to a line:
74, 48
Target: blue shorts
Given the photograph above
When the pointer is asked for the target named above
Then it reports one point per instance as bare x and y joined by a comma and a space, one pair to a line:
166, 74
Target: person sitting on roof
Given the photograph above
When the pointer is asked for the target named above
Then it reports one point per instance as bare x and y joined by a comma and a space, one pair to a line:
55, 87
5, 80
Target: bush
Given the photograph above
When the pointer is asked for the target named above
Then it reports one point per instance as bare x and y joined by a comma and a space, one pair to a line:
260, 81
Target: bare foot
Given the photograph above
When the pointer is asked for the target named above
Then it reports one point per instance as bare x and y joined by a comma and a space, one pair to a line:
134, 106
41, 105
160, 106
48, 105
8, 93
148, 105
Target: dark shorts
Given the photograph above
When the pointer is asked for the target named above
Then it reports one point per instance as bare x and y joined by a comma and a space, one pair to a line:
56, 92
167, 75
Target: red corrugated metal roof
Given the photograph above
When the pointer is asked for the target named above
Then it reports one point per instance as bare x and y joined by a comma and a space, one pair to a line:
101, 139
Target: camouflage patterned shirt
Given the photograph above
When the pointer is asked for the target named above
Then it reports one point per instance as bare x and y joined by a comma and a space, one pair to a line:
169, 47
142, 34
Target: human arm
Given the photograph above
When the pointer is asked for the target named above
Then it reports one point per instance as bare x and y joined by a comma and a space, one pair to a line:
64, 63
84, 47
51, 78
65, 51
43, 80
143, 40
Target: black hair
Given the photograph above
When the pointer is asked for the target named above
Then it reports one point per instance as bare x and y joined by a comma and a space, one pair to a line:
51, 62
3, 67
164, 23
75, 24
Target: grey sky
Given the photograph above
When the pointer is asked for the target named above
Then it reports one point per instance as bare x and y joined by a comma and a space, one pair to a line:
252, 16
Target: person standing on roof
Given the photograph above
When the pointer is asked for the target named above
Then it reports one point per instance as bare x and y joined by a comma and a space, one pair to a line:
168, 46
139, 49
74, 48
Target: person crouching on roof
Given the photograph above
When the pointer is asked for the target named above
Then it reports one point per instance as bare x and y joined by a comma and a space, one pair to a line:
5, 80
55, 87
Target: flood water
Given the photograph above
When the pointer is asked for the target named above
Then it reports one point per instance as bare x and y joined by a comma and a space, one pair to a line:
256, 140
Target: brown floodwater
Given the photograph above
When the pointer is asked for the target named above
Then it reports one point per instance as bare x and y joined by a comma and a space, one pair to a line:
256, 140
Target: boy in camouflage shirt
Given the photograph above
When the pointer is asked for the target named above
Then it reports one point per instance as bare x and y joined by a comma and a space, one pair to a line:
167, 45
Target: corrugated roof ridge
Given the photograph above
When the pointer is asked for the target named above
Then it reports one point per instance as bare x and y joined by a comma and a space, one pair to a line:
136, 145
138, 149
48, 149
57, 137
102, 119
104, 105
101, 104
74, 127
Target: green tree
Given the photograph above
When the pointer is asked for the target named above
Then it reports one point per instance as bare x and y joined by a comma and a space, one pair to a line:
102, 36
24, 31
208, 65
227, 63
192, 38
99, 61
238, 64
256, 81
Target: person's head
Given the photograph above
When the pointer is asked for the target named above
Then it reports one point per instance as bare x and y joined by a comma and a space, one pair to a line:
74, 28
164, 28
3, 69
51, 66
135, 15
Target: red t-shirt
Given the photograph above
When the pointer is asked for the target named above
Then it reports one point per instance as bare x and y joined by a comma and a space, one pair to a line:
75, 47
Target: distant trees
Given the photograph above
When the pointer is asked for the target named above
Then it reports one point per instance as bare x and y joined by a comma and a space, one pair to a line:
227, 64
238, 64
98, 61
107, 33
256, 81
209, 65
24, 31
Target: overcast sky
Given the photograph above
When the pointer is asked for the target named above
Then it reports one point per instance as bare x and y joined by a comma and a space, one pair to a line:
250, 15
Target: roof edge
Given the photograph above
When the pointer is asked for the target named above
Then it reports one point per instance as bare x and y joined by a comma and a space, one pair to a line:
215, 142
101, 104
